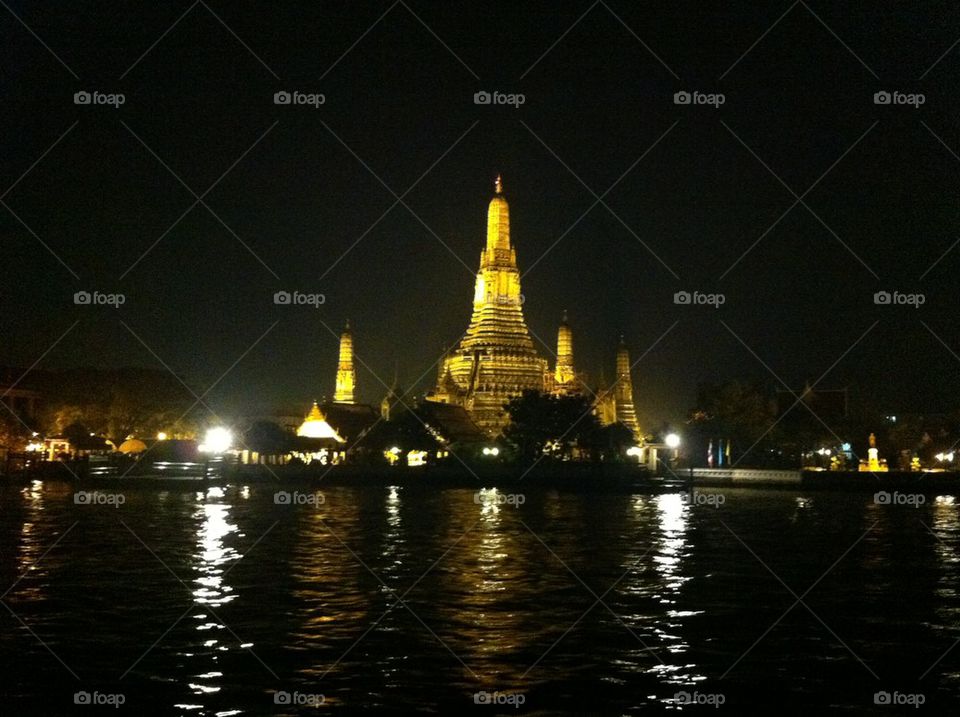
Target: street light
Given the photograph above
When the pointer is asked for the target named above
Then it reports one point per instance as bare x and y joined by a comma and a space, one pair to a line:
217, 440
672, 440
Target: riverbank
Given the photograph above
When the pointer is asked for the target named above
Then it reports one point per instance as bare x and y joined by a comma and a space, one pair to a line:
564, 476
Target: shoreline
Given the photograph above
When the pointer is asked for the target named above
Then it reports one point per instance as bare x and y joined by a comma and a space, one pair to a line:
567, 477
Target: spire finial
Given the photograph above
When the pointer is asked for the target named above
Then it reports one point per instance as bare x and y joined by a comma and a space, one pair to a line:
346, 326
498, 185
564, 319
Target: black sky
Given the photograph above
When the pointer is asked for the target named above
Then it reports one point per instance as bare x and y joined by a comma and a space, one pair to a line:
399, 94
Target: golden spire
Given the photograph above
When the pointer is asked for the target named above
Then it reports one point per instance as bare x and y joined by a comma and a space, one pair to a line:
498, 227
564, 372
315, 413
346, 373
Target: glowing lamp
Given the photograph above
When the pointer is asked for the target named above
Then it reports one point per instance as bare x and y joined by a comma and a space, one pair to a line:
672, 440
217, 440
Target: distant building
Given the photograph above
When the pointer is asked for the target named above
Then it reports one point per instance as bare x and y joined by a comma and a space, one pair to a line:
496, 360
346, 372
22, 402
615, 403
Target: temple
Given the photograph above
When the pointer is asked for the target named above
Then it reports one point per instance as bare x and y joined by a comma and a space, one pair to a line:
615, 403
346, 373
496, 359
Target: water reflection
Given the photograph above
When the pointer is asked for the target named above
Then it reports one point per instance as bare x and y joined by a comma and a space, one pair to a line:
487, 569
946, 526
30, 548
488, 588
669, 555
211, 558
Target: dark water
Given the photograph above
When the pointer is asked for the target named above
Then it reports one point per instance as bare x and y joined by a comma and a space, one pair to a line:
209, 602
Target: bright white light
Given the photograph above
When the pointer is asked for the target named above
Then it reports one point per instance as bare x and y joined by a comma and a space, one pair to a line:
416, 458
672, 440
161, 436
217, 440
635, 451
488, 451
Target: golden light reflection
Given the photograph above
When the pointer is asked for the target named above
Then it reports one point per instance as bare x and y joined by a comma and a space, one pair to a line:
30, 548
211, 559
488, 569
946, 526
668, 555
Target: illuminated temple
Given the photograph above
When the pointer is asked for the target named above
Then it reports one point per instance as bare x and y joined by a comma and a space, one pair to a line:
496, 359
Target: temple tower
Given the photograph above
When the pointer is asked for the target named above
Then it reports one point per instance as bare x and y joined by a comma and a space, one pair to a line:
564, 374
496, 360
346, 373
623, 390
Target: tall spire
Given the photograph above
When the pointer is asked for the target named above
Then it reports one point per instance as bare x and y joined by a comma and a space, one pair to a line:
346, 373
623, 390
496, 359
498, 229
564, 372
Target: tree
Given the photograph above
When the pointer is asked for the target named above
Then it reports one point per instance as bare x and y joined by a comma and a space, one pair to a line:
115, 402
13, 434
736, 411
406, 432
541, 422
614, 440
267, 437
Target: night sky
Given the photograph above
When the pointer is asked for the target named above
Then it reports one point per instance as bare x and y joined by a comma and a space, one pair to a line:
304, 184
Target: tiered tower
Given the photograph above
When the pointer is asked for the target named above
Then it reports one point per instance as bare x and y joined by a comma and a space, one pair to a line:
346, 373
564, 376
496, 360
623, 390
